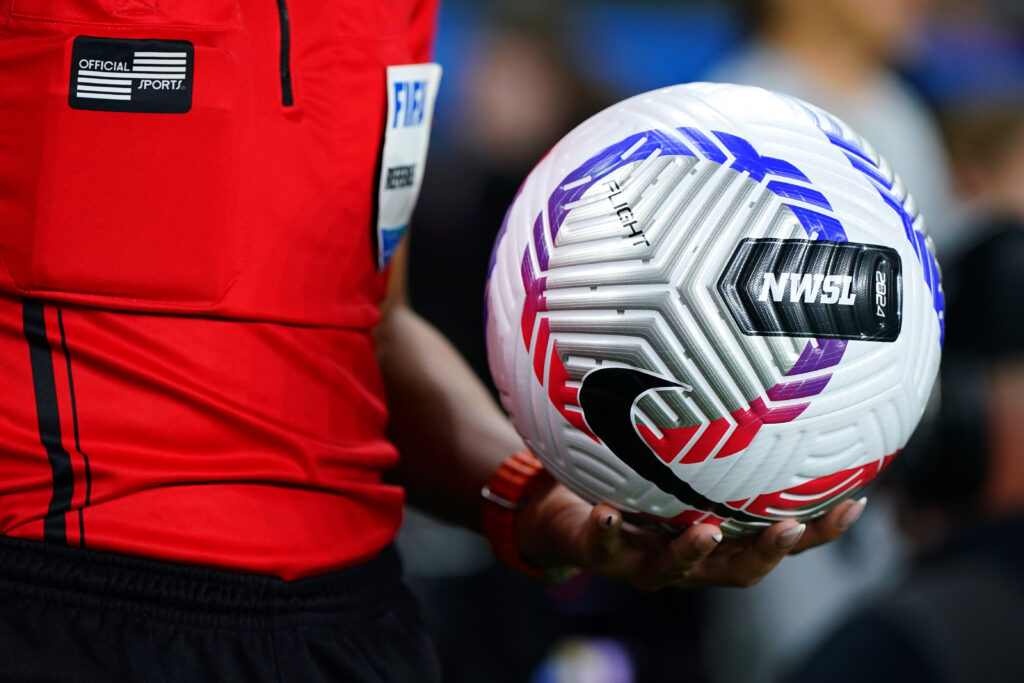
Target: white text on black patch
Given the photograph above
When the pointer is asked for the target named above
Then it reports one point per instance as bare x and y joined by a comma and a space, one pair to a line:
128, 75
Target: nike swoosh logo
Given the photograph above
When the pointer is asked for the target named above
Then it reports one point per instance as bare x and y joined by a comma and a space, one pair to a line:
607, 396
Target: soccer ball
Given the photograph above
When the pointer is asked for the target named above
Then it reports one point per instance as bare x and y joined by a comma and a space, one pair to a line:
714, 303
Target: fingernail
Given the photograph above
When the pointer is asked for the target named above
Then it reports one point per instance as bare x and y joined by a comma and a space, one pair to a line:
608, 521
852, 514
708, 542
788, 539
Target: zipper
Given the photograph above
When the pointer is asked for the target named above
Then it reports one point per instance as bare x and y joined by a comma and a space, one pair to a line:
286, 70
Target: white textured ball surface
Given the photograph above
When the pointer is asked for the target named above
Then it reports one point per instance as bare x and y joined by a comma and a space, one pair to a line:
623, 347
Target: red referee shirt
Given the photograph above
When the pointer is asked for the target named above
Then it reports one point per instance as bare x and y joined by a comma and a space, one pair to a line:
188, 277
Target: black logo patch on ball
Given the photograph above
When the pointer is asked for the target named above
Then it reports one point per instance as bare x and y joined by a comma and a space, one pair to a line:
814, 288
607, 397
145, 76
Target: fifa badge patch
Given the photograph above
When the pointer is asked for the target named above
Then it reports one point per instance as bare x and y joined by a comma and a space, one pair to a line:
128, 75
411, 92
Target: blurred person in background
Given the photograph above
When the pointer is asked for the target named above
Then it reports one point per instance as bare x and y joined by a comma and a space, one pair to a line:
986, 142
959, 614
839, 55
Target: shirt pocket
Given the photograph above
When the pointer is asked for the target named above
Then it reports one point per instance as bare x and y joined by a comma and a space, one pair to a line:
131, 207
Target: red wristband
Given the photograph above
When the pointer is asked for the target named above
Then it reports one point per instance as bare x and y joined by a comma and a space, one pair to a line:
512, 484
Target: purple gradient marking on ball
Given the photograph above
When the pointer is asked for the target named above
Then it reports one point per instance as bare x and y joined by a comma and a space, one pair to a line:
827, 354
633, 148
803, 388
540, 243
708, 148
638, 146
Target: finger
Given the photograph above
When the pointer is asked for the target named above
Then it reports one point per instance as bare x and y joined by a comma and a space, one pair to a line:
686, 551
832, 525
692, 546
604, 532
751, 565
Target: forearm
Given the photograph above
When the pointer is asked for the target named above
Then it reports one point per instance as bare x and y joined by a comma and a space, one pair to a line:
449, 431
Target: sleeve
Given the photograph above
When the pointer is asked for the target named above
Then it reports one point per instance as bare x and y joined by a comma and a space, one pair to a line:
422, 29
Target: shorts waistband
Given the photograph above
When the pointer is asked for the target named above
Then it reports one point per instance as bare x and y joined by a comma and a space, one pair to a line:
195, 594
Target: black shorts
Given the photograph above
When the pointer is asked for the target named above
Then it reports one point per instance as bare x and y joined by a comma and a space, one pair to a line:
78, 616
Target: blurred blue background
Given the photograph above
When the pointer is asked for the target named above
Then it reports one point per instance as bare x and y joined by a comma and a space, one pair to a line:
969, 48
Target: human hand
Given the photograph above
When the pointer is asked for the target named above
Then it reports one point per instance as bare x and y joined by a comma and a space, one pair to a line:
558, 528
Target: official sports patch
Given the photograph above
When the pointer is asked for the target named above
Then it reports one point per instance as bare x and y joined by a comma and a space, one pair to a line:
129, 75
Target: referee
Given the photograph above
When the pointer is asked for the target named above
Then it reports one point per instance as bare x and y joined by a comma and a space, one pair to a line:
207, 363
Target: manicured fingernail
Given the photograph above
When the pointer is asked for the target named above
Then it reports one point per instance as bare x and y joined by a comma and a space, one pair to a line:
788, 539
852, 514
708, 542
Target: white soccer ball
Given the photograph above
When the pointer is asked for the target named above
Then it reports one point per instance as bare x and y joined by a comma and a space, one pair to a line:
714, 303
